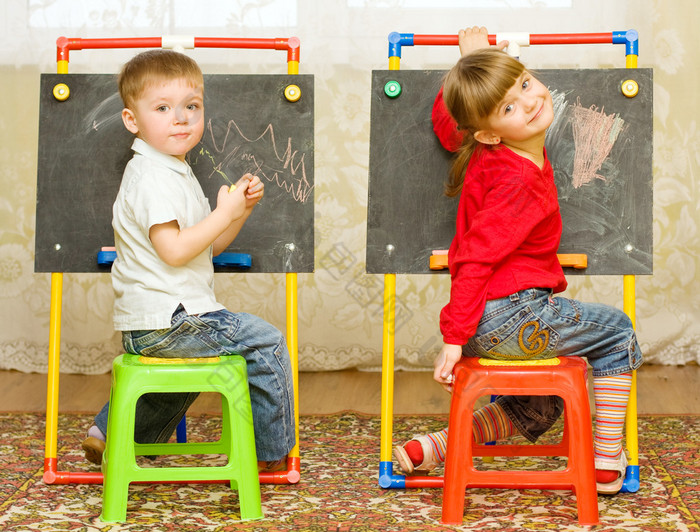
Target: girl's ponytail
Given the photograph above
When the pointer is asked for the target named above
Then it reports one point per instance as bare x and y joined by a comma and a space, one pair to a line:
453, 187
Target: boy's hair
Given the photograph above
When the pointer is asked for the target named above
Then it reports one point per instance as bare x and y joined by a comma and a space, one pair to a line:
472, 90
154, 66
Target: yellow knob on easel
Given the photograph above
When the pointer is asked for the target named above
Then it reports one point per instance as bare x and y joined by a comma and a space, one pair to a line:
61, 92
630, 88
292, 93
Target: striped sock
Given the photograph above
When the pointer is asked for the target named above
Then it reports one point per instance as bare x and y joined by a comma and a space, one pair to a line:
438, 445
492, 424
611, 396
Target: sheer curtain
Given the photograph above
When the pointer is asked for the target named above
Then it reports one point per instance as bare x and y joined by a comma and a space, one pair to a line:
340, 314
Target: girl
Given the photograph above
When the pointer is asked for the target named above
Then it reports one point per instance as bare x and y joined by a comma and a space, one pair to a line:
504, 267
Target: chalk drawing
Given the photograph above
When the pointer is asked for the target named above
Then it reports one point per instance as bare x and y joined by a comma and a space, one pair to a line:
595, 134
104, 115
559, 108
217, 167
286, 170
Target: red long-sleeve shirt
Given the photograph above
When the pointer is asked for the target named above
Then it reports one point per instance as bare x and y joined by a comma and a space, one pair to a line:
507, 235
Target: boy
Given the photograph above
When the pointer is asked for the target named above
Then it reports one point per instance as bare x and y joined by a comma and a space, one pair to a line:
165, 235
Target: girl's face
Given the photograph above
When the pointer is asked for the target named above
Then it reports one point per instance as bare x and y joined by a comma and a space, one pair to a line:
524, 114
169, 116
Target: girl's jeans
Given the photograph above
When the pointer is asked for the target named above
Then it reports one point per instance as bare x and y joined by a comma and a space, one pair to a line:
209, 335
531, 324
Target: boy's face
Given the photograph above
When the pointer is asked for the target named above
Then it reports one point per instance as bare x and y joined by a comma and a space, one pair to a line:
169, 116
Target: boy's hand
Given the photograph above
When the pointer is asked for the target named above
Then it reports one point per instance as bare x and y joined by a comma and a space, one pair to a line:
474, 38
445, 362
233, 202
255, 190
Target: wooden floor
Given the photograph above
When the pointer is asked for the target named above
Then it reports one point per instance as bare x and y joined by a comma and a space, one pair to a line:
661, 390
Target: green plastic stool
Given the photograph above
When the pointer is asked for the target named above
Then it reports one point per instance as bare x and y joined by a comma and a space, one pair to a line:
133, 376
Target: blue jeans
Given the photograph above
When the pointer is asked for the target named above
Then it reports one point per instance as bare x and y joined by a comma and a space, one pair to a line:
532, 324
208, 335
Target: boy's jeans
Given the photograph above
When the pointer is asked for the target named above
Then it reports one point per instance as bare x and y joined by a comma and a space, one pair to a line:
531, 324
208, 335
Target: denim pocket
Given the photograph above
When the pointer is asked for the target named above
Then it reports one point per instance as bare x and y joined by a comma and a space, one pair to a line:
147, 335
522, 337
183, 340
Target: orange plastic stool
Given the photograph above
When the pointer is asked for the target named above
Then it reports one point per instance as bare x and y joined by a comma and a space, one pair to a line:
565, 377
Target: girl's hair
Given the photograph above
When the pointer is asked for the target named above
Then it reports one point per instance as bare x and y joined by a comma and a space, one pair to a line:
154, 66
472, 90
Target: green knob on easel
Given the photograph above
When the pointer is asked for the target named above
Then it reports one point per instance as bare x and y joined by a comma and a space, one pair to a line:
392, 89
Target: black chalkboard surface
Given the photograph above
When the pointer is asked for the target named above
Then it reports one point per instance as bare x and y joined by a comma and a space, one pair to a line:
600, 146
250, 127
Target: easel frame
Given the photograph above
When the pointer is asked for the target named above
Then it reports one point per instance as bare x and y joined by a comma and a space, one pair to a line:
178, 43
387, 478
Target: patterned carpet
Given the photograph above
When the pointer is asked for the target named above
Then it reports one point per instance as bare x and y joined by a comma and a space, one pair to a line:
338, 489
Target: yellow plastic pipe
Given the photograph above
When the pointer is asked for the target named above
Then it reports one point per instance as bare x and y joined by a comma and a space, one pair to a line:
292, 323
629, 297
53, 370
631, 429
52, 379
387, 407
293, 347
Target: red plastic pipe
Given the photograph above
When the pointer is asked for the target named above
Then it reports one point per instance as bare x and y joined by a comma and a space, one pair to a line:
446, 40
52, 476
291, 44
535, 38
64, 44
571, 38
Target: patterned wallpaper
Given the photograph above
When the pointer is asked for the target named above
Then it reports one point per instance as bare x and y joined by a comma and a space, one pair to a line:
340, 322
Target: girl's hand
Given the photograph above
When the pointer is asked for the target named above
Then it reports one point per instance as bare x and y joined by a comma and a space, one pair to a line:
445, 362
474, 38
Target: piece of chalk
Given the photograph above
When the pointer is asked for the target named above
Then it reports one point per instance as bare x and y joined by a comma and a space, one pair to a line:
232, 188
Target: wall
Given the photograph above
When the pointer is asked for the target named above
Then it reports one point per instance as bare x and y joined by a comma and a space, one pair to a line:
342, 41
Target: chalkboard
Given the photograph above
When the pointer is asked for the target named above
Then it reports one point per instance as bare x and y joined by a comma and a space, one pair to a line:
250, 127
600, 147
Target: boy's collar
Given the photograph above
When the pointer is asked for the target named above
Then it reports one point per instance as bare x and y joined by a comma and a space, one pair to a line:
142, 147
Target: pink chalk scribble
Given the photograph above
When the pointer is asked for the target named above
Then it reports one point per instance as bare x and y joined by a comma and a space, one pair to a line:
595, 134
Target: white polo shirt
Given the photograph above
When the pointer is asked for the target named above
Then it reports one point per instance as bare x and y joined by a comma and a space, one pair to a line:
157, 188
